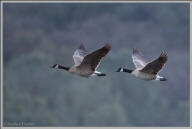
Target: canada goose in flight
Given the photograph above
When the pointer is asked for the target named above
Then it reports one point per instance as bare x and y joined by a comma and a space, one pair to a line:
146, 70
86, 64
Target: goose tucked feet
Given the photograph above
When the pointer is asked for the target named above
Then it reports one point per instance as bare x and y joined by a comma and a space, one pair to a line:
160, 78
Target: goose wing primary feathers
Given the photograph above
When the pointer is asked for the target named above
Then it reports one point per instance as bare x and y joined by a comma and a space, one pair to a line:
79, 54
92, 60
155, 66
138, 59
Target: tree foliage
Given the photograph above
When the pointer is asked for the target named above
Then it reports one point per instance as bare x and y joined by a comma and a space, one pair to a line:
36, 36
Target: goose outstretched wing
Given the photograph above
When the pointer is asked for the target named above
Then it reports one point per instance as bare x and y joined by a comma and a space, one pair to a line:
138, 59
155, 66
79, 54
92, 60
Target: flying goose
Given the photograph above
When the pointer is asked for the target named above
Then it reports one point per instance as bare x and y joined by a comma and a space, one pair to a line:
86, 64
146, 70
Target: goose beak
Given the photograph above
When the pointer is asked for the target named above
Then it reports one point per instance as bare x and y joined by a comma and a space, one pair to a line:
118, 70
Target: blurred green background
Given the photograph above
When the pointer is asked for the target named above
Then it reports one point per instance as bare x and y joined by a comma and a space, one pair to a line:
38, 35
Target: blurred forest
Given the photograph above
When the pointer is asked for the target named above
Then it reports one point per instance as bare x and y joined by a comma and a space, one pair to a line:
38, 35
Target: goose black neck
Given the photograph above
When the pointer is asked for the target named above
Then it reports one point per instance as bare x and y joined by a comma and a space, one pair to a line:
63, 67
57, 66
127, 70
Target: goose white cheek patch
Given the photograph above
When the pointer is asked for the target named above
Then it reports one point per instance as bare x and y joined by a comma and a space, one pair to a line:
57, 66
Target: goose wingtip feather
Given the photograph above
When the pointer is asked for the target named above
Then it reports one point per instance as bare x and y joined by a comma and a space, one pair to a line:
164, 56
135, 50
82, 47
108, 46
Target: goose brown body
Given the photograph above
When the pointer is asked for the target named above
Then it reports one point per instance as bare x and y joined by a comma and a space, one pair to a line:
86, 64
146, 70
